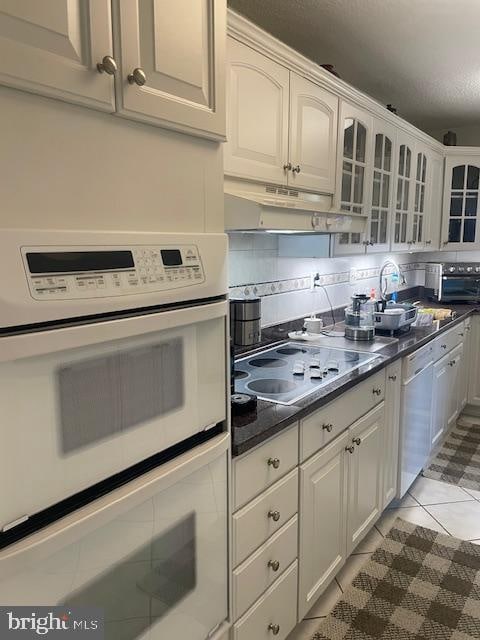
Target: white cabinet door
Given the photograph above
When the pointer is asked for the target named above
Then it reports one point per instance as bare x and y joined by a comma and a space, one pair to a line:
365, 474
354, 168
174, 55
474, 364
440, 400
392, 426
421, 178
465, 365
313, 136
454, 378
52, 48
379, 208
433, 218
257, 116
323, 513
404, 190
461, 209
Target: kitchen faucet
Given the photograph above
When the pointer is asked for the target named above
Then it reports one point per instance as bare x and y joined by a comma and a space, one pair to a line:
398, 270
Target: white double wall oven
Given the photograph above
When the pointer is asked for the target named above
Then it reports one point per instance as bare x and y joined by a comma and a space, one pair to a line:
113, 378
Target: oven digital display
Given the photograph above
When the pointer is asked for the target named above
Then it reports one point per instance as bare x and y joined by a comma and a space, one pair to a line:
74, 261
171, 257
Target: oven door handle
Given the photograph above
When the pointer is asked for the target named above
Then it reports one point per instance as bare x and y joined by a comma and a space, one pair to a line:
38, 343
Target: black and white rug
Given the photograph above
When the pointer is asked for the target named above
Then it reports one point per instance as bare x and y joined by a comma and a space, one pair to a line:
418, 585
458, 461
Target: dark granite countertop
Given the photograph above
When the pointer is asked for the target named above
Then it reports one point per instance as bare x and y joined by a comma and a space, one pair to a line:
269, 419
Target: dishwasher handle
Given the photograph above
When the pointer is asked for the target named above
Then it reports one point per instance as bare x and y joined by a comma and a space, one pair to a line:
418, 372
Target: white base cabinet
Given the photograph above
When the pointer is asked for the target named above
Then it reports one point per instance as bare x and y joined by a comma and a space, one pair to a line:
474, 364
393, 391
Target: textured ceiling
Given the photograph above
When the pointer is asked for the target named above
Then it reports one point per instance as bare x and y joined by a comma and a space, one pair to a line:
423, 56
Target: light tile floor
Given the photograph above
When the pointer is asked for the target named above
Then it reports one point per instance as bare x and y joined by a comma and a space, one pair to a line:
446, 508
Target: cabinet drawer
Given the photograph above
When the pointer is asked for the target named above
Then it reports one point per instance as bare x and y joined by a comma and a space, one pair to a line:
278, 606
258, 520
255, 575
327, 423
448, 341
257, 470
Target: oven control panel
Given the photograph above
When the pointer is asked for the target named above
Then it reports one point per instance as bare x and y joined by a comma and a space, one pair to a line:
75, 273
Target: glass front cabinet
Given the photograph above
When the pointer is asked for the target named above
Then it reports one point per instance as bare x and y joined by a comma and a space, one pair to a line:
354, 169
460, 204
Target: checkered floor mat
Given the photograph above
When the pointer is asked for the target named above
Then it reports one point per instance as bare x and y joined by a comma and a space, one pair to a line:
418, 585
458, 461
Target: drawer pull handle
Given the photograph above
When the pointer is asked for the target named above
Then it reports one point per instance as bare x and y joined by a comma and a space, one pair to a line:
274, 565
392, 378
377, 392
274, 515
443, 346
357, 441
350, 449
461, 335
328, 427
274, 462
451, 363
274, 628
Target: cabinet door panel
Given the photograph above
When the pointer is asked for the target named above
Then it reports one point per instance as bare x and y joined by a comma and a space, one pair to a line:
461, 207
52, 48
257, 115
180, 48
392, 428
454, 379
313, 135
365, 475
440, 397
323, 503
474, 364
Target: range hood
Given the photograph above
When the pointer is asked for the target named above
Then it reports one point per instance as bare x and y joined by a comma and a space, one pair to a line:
257, 207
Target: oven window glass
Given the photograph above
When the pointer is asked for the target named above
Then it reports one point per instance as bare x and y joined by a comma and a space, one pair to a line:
104, 396
461, 288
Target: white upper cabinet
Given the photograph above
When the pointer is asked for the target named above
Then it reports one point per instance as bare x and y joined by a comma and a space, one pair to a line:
257, 115
422, 173
171, 57
52, 48
433, 220
313, 136
403, 193
354, 171
381, 194
281, 128
460, 229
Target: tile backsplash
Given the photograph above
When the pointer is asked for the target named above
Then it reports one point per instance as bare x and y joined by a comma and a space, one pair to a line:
285, 284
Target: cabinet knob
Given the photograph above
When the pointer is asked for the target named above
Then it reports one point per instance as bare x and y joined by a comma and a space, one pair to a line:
137, 77
274, 515
274, 462
392, 378
296, 169
461, 335
357, 441
443, 346
451, 363
350, 449
377, 392
274, 628
274, 565
107, 65
288, 166
327, 427
428, 242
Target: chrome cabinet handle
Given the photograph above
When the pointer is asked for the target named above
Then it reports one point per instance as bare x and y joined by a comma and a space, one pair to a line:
392, 378
377, 392
288, 166
461, 335
274, 565
350, 449
296, 169
274, 462
274, 515
357, 441
274, 628
327, 427
428, 242
137, 77
107, 65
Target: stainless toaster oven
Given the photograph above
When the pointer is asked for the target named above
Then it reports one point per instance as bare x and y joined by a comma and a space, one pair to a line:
453, 282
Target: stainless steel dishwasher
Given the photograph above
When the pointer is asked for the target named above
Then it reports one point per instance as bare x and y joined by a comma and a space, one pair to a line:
415, 415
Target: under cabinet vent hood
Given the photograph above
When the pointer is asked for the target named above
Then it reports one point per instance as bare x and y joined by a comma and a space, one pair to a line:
257, 207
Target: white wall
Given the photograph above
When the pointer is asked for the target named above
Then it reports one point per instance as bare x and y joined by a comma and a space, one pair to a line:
65, 166
466, 136
284, 284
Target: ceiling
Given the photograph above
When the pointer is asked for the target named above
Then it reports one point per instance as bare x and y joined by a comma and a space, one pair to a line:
423, 56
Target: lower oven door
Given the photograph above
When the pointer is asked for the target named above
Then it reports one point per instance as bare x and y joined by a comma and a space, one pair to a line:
82, 403
152, 555
460, 288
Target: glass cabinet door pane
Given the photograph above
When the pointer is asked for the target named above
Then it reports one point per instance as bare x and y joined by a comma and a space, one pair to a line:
420, 228
347, 182
385, 190
387, 159
471, 204
417, 196
454, 228
376, 188
472, 177
408, 162
458, 177
419, 165
469, 230
399, 193
383, 227
403, 235
456, 205
401, 160
378, 150
422, 198
424, 169
361, 142
358, 185
397, 228
348, 138
406, 185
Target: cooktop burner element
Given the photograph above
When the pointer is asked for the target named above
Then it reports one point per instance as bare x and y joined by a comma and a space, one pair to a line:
287, 373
